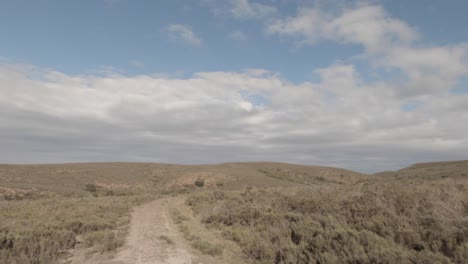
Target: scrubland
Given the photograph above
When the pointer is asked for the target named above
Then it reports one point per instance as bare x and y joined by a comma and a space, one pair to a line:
379, 220
42, 231
271, 212
47, 210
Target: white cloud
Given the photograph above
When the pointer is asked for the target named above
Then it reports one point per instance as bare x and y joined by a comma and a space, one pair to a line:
246, 9
339, 78
367, 25
238, 35
307, 26
246, 105
224, 116
240, 9
446, 60
388, 43
185, 33
370, 26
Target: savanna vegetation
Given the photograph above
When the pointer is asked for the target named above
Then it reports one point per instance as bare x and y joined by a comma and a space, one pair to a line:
379, 220
47, 210
274, 212
42, 231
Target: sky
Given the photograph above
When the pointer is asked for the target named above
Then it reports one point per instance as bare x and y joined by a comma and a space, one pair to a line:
364, 85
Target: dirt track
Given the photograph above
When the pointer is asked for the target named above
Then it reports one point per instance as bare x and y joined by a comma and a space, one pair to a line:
144, 244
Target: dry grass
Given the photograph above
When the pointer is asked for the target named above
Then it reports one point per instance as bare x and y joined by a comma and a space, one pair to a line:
288, 213
46, 210
166, 239
379, 221
196, 242
42, 231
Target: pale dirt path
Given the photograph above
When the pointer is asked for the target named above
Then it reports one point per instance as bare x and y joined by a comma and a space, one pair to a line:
144, 245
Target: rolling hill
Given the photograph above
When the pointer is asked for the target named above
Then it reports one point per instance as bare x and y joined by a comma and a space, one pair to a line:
271, 212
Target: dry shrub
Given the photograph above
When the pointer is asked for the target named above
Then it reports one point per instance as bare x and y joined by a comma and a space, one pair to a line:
207, 248
42, 231
166, 239
377, 222
200, 183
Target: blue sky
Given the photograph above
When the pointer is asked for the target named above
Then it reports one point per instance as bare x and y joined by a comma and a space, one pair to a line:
131, 36
384, 79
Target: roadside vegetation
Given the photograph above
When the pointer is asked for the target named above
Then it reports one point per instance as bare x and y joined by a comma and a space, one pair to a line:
42, 231
379, 221
196, 242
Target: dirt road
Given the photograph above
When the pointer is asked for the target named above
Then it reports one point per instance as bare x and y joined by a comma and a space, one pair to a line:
144, 244
154, 239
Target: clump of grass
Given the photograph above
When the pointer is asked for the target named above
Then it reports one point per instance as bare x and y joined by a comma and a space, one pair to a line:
166, 239
207, 248
196, 242
90, 187
177, 217
179, 220
103, 240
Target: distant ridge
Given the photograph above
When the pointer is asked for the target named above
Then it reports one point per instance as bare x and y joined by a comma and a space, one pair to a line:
437, 164
440, 169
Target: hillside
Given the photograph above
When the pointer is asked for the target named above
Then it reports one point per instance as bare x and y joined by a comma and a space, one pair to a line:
437, 169
23, 181
259, 212
431, 170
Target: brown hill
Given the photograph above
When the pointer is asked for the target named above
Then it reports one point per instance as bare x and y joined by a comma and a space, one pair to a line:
23, 181
431, 170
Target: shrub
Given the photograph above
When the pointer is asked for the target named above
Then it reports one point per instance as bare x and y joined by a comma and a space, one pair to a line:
380, 222
207, 248
166, 239
200, 183
89, 187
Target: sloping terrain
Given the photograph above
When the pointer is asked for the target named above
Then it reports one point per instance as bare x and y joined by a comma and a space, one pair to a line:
452, 169
307, 174
431, 170
31, 181
256, 212
416, 215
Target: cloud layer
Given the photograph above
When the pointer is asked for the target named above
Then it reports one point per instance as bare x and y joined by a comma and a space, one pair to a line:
48, 116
